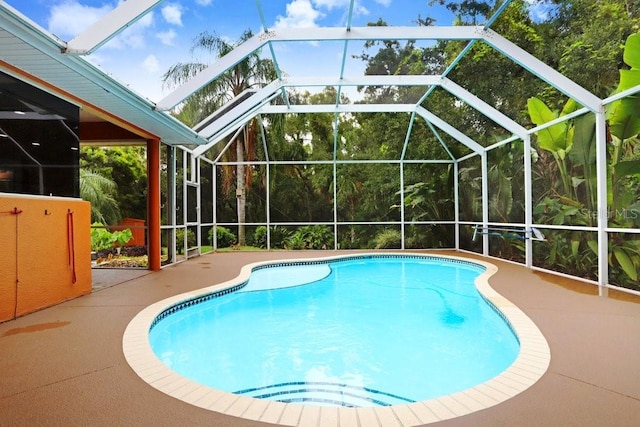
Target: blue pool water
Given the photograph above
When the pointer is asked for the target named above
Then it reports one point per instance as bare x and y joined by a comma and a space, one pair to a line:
365, 331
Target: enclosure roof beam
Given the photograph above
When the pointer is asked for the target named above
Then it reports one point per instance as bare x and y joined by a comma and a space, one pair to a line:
407, 136
450, 130
394, 80
345, 49
201, 149
541, 70
216, 137
212, 72
116, 21
431, 32
238, 122
342, 108
318, 34
497, 13
440, 140
259, 98
484, 108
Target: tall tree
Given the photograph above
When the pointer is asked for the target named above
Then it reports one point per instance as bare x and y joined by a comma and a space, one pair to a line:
253, 71
469, 12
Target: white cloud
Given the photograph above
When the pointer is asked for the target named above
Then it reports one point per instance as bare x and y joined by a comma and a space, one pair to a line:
151, 64
68, 19
307, 13
331, 4
204, 2
358, 8
539, 11
300, 14
172, 13
167, 37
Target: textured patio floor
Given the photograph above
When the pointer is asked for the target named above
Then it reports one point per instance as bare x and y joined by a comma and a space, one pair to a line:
64, 366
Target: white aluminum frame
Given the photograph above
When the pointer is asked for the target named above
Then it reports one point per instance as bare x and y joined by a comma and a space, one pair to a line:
260, 103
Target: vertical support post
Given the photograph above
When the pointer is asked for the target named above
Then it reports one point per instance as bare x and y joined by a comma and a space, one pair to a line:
456, 203
528, 202
198, 163
268, 207
603, 208
171, 203
485, 203
153, 204
335, 182
184, 207
214, 182
268, 196
402, 217
335, 204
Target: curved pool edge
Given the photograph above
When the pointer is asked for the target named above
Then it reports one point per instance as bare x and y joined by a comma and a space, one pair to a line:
530, 365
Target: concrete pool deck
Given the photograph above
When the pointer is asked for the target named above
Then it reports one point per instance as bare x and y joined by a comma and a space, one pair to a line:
64, 365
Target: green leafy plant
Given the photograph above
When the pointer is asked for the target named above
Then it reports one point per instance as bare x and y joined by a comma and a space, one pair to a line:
224, 237
311, 237
279, 236
121, 237
191, 239
573, 145
389, 239
103, 239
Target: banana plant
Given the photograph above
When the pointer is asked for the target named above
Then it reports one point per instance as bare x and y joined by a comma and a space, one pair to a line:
623, 117
556, 139
573, 146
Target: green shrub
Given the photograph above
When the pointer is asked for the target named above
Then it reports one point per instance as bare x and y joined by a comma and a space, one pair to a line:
191, 239
311, 237
103, 239
224, 237
279, 236
389, 239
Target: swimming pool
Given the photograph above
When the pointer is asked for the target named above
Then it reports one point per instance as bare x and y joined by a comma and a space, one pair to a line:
320, 383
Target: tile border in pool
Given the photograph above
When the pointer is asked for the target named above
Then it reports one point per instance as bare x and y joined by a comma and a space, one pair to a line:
532, 362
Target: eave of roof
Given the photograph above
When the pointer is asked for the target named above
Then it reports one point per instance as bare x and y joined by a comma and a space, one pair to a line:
32, 54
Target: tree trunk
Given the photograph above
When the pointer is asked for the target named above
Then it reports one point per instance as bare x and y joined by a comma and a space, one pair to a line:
240, 191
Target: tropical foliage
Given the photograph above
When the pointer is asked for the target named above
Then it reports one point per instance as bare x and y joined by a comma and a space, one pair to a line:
114, 180
250, 73
593, 43
102, 238
99, 191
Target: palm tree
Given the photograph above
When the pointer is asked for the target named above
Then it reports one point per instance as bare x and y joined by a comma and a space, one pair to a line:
99, 191
251, 72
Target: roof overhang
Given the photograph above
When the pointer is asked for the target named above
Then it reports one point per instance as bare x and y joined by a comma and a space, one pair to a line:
35, 56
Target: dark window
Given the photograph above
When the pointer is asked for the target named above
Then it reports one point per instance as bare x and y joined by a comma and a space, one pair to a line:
39, 141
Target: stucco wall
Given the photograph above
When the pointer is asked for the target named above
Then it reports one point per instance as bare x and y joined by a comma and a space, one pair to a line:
44, 243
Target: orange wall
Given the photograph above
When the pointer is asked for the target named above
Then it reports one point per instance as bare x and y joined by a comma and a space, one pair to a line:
34, 252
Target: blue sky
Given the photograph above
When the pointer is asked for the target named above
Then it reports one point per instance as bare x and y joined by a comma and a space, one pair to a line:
140, 56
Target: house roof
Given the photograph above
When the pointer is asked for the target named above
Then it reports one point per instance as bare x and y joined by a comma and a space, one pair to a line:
31, 54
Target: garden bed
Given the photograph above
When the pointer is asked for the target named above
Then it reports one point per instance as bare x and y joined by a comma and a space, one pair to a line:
129, 257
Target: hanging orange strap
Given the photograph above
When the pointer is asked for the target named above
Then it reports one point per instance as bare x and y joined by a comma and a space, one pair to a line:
71, 246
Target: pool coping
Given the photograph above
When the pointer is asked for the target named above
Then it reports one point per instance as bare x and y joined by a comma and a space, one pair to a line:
530, 365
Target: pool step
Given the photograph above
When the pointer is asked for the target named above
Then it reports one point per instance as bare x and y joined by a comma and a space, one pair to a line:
324, 394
